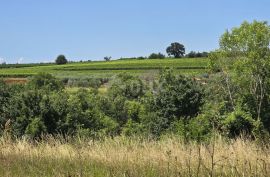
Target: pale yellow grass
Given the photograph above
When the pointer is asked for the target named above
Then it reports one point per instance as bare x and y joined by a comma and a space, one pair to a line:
168, 157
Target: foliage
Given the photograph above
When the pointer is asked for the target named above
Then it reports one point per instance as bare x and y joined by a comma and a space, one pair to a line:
239, 123
243, 61
86, 82
176, 97
129, 107
107, 58
133, 128
128, 86
234, 100
46, 81
35, 128
176, 49
193, 54
61, 59
84, 116
198, 129
156, 56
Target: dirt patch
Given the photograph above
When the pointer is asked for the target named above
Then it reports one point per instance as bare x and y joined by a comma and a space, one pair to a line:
16, 80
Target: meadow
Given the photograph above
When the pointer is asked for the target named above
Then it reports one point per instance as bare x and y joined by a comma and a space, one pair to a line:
133, 157
102, 69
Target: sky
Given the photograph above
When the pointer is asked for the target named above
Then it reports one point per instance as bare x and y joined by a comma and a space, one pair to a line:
33, 31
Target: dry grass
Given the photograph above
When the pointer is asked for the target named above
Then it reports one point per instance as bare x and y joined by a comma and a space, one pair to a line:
15, 80
133, 157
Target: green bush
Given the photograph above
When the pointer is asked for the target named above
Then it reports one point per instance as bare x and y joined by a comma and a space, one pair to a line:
128, 86
177, 96
239, 122
5, 94
156, 56
133, 128
35, 128
175, 104
198, 129
153, 124
46, 81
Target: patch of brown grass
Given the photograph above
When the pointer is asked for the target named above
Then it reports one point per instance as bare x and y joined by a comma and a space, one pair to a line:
16, 80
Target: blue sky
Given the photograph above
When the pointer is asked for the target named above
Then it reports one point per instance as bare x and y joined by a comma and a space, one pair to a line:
39, 30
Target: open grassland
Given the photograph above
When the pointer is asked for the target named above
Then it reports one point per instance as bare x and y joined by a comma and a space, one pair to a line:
108, 69
121, 157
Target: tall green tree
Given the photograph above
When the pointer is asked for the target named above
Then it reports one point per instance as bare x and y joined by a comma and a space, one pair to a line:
176, 49
244, 63
61, 59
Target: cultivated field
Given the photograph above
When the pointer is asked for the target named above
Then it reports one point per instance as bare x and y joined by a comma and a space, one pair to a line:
103, 69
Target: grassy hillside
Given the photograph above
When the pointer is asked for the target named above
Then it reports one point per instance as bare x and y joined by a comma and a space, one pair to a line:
108, 69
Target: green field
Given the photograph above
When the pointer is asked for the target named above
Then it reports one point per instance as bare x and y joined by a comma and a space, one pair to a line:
108, 69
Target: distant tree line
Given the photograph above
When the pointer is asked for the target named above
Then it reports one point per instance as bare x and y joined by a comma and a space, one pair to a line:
177, 50
194, 54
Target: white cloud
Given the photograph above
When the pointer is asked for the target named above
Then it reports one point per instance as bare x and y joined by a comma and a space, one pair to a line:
47, 61
2, 60
20, 60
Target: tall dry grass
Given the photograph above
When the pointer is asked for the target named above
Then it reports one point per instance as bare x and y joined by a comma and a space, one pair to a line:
133, 157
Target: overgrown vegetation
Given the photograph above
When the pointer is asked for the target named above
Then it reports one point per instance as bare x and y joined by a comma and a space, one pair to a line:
233, 102
134, 157
43, 106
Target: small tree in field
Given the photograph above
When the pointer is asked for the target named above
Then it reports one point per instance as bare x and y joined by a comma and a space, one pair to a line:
61, 59
176, 49
107, 58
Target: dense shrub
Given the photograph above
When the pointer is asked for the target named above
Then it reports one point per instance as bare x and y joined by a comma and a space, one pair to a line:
46, 82
5, 95
176, 98
128, 86
194, 54
156, 56
85, 117
239, 122
175, 104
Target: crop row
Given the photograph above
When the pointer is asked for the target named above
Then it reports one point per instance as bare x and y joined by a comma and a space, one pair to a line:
102, 69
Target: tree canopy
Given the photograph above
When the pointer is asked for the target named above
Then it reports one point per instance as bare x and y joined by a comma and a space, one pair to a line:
61, 59
243, 61
176, 49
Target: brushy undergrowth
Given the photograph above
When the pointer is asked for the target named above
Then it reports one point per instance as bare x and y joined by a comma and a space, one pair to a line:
133, 157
